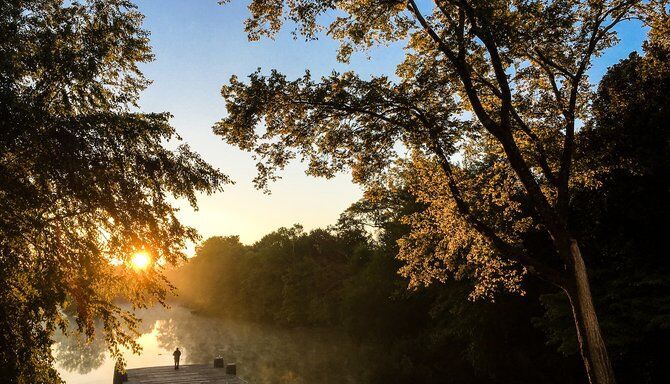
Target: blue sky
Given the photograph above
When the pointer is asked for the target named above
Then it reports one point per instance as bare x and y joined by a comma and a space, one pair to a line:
198, 45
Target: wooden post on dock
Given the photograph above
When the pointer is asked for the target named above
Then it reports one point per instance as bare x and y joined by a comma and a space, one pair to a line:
231, 369
218, 362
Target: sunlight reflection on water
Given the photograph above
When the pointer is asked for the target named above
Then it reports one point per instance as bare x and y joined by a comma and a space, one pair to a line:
263, 354
88, 370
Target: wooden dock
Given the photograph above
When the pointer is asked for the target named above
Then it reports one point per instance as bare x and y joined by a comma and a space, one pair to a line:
186, 374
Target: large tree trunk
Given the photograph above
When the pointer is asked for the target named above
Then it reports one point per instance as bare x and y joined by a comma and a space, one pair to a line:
591, 343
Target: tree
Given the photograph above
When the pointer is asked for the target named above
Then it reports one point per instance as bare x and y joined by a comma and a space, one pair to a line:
85, 180
618, 208
489, 99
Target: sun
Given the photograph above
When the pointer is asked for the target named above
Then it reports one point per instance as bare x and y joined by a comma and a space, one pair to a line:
141, 260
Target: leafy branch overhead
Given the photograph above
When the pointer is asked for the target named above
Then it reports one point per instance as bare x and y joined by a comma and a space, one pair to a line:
338, 123
515, 73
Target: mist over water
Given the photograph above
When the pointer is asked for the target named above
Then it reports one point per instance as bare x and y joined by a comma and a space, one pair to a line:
263, 354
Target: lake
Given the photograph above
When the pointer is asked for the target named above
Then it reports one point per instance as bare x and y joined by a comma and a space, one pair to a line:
263, 354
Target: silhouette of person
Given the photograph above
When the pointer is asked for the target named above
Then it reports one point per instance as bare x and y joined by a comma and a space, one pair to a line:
176, 354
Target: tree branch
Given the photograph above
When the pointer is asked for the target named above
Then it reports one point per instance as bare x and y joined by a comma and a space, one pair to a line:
568, 143
541, 155
507, 250
461, 67
555, 225
549, 62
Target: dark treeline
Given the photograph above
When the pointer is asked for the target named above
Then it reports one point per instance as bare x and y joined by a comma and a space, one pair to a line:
343, 277
339, 277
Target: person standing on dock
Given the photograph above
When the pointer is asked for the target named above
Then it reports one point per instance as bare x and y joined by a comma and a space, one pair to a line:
177, 355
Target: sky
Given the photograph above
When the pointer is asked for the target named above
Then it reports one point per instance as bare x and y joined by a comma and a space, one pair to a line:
198, 46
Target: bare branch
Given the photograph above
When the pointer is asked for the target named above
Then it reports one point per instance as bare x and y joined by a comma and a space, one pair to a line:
568, 144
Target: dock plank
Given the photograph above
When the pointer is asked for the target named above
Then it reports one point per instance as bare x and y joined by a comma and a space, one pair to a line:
186, 374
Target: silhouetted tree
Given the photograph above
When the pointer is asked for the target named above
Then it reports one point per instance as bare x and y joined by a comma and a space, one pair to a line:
502, 84
621, 208
85, 181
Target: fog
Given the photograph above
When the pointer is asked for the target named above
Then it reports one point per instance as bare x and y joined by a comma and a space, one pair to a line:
263, 354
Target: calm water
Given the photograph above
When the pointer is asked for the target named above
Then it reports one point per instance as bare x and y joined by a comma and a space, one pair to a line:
263, 354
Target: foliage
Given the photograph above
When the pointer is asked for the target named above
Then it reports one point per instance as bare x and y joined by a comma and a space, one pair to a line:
289, 277
488, 100
621, 209
85, 181
427, 335
296, 279
498, 85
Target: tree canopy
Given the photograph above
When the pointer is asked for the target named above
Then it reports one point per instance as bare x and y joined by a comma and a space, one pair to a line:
86, 180
489, 100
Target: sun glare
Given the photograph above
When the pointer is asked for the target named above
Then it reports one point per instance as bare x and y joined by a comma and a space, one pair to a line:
141, 260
